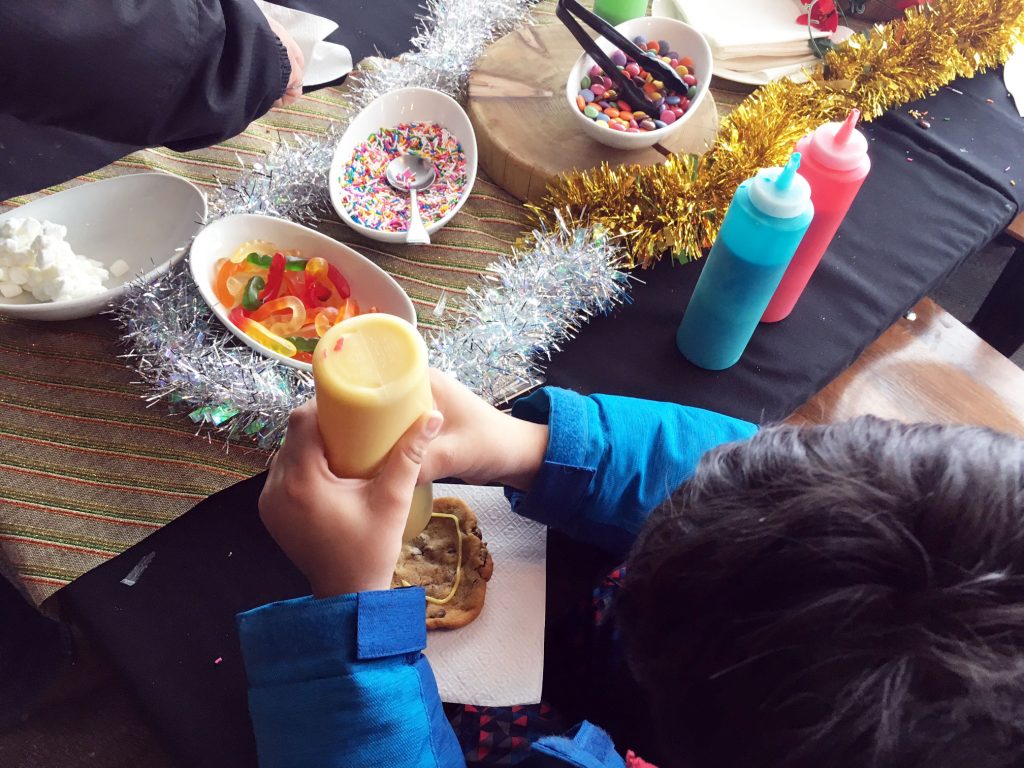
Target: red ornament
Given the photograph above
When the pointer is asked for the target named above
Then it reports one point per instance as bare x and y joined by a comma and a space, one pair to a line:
632, 761
822, 15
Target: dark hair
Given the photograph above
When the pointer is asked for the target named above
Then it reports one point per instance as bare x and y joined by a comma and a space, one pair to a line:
846, 595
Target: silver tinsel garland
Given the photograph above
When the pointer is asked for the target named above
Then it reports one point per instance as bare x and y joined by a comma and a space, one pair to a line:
525, 307
185, 355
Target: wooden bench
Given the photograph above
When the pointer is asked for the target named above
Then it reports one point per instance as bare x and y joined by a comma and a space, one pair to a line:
1000, 320
927, 367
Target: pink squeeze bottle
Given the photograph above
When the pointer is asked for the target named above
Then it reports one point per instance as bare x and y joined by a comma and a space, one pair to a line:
835, 163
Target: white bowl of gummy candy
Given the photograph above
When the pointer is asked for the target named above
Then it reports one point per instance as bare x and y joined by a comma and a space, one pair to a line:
247, 240
360, 193
72, 254
681, 39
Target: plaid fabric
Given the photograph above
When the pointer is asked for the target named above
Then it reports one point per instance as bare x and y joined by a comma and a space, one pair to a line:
605, 592
502, 735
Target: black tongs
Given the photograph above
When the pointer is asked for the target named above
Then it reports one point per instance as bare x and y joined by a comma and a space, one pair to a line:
627, 89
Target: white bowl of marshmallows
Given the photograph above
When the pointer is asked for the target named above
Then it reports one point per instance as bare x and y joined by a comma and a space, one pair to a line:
72, 254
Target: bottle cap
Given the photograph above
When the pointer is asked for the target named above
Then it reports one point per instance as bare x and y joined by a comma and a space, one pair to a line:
781, 192
839, 146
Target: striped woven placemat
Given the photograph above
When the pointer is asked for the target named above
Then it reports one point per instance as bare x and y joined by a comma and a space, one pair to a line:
86, 468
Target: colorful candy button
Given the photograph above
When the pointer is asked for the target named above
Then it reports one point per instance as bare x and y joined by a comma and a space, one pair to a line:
597, 97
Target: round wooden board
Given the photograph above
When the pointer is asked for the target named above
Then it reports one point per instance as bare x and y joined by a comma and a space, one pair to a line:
524, 131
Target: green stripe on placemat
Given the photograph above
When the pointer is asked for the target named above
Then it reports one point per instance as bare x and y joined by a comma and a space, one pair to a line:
86, 468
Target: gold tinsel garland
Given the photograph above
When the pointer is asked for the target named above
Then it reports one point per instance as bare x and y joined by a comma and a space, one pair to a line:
679, 205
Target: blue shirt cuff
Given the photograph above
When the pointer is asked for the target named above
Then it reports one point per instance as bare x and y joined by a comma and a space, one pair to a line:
585, 746
611, 460
307, 638
571, 460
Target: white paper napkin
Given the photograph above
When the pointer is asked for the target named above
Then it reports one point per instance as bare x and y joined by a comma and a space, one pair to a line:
324, 61
1013, 77
752, 41
497, 660
748, 27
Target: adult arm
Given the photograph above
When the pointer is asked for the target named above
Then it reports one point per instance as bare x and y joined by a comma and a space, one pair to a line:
185, 74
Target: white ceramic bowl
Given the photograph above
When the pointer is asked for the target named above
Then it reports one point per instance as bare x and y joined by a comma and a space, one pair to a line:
371, 285
406, 105
145, 219
684, 39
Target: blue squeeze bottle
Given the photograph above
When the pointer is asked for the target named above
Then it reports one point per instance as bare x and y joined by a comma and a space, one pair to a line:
766, 220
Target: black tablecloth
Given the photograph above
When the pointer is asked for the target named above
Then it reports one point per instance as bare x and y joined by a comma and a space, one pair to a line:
172, 635
933, 197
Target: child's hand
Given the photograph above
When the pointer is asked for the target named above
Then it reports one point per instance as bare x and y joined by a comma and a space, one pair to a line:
480, 444
344, 535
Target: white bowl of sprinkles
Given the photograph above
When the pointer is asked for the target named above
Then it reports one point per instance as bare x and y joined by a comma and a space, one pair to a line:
418, 120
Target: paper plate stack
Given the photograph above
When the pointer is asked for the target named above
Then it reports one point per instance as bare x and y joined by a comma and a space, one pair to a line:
752, 41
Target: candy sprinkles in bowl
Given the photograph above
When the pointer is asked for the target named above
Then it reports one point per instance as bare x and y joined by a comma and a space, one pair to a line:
372, 202
407, 121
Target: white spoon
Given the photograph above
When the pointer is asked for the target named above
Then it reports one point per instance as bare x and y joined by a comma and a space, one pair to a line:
412, 173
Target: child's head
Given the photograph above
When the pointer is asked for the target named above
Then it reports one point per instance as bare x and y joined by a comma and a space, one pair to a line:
849, 595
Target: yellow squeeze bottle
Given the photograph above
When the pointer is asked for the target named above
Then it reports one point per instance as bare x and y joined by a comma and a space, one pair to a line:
372, 384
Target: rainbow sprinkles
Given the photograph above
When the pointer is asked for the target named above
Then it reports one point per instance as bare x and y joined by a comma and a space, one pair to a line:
371, 202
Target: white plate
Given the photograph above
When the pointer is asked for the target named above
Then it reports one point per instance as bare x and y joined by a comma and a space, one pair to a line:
672, 9
762, 78
145, 219
324, 61
371, 285
405, 105
328, 62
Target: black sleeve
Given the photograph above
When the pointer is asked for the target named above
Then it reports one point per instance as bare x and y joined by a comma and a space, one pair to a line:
183, 73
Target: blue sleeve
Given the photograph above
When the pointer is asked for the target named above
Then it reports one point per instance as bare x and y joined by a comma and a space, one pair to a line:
585, 746
611, 460
342, 682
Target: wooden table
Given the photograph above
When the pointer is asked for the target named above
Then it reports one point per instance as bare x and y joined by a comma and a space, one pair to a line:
931, 368
927, 367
